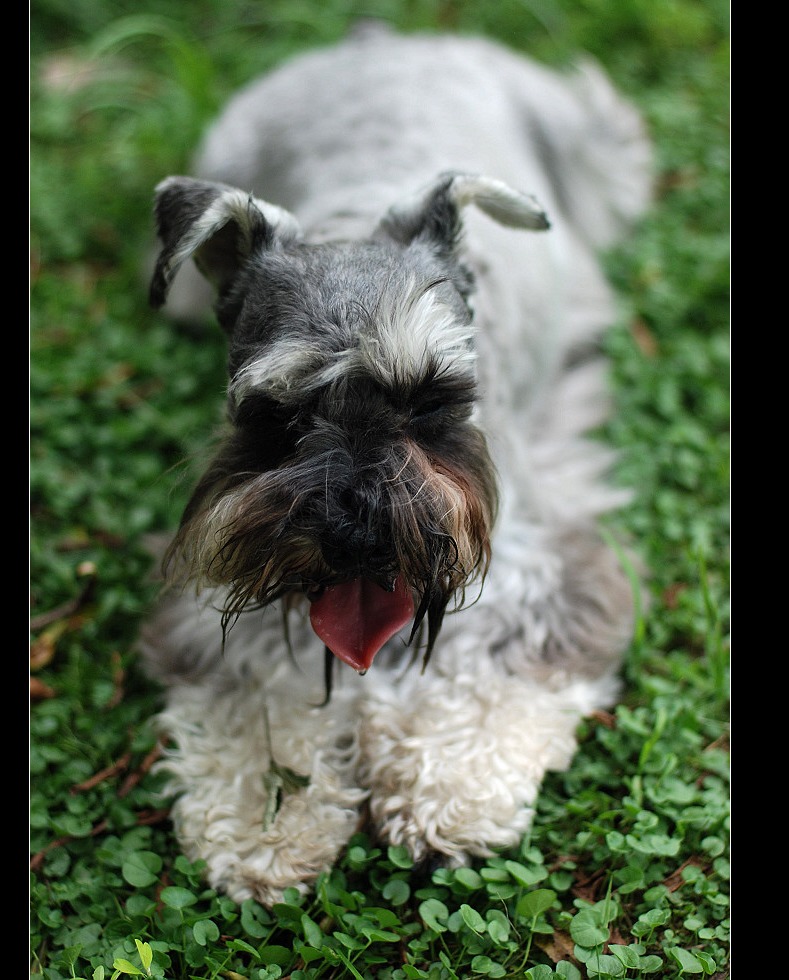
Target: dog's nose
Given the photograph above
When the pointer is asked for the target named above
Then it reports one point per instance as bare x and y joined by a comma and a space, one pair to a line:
356, 541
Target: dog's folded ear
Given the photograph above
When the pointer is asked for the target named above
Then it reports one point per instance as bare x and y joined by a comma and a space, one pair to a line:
216, 225
433, 215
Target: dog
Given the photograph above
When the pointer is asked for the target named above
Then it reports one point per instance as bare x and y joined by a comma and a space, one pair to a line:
391, 599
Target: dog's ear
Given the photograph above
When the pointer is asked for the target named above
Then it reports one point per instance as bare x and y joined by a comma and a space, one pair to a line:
216, 225
433, 215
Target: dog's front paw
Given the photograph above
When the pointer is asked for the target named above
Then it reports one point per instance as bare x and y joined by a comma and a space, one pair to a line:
248, 858
263, 818
447, 820
454, 767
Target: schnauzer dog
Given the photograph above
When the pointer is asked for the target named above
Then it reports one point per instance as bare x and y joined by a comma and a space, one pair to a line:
389, 601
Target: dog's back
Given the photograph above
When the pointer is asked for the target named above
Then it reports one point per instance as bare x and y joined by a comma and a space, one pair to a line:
333, 134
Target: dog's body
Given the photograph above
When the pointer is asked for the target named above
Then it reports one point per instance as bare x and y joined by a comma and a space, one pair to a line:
406, 417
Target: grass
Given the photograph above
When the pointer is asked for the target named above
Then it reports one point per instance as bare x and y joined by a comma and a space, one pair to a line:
625, 871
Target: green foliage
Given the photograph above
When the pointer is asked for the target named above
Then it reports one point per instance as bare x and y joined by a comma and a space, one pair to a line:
625, 871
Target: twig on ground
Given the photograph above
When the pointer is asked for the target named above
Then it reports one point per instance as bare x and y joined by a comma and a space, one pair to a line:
71, 607
112, 770
134, 777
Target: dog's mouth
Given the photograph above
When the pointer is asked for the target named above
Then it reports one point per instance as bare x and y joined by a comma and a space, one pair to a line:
355, 619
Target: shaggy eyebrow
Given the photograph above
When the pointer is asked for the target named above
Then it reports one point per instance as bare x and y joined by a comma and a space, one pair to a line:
435, 383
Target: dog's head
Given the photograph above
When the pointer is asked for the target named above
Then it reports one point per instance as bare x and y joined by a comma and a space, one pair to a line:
352, 471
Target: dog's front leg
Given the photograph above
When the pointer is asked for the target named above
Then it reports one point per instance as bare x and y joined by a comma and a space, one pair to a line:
455, 764
264, 784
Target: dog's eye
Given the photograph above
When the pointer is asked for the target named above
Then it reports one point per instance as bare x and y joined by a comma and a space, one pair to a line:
260, 410
428, 410
267, 428
432, 418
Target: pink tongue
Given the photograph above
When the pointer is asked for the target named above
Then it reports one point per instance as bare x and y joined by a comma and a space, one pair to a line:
356, 618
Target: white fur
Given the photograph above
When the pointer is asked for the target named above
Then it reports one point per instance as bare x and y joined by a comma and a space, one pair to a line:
450, 760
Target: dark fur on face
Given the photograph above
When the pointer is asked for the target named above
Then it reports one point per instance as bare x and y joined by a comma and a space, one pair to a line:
350, 449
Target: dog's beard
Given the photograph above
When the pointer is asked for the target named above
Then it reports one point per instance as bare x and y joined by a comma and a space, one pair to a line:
405, 519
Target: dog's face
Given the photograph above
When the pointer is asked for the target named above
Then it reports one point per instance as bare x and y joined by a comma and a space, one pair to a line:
352, 472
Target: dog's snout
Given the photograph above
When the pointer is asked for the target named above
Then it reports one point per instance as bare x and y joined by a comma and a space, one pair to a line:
356, 539
352, 502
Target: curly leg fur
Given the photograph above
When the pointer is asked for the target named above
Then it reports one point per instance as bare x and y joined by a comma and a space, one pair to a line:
462, 781
231, 809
